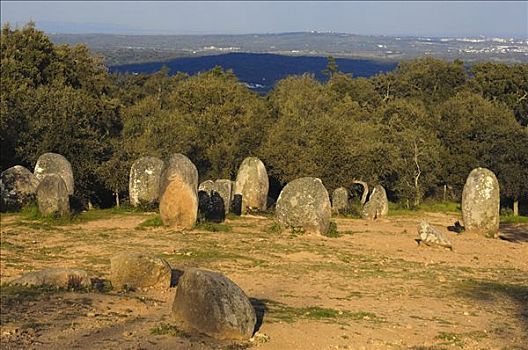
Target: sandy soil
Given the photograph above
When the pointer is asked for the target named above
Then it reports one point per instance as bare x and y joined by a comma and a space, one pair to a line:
370, 288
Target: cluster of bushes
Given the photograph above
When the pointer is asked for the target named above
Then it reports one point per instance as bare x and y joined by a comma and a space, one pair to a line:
418, 130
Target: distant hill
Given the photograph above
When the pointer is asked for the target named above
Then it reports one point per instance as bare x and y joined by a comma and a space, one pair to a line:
261, 71
124, 49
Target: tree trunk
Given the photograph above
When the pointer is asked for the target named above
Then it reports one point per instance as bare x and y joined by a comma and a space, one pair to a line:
387, 94
515, 207
90, 205
417, 197
365, 190
445, 193
117, 199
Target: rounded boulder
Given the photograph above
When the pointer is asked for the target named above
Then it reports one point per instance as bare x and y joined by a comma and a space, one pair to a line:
252, 184
19, 187
55, 277
481, 202
52, 196
304, 204
53, 163
209, 303
144, 181
137, 270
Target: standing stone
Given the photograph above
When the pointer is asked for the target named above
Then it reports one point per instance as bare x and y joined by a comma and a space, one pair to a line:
304, 204
179, 166
223, 187
179, 204
253, 184
53, 163
377, 206
233, 189
216, 210
144, 182
236, 204
204, 197
340, 203
206, 186
137, 270
210, 303
19, 187
52, 196
481, 202
210, 203
3, 194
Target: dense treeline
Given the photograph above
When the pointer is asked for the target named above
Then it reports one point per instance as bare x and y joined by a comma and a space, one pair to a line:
416, 130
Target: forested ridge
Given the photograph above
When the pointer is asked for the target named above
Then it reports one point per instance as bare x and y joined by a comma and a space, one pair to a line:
416, 130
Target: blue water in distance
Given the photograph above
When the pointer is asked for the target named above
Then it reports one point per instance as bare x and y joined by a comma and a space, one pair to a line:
259, 71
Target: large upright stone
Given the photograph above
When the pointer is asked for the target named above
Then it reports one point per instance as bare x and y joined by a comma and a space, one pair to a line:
481, 202
144, 181
53, 163
253, 184
223, 188
233, 189
179, 204
180, 166
206, 186
52, 196
19, 187
377, 205
210, 203
210, 303
340, 203
304, 204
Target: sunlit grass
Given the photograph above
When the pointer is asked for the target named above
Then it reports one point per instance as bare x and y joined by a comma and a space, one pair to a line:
510, 219
398, 209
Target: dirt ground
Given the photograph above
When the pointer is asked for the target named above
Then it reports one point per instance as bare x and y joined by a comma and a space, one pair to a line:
372, 287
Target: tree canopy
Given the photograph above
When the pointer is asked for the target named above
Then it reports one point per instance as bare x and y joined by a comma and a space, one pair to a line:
414, 130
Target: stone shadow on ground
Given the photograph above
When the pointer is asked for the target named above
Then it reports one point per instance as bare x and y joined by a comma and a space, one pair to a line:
260, 310
493, 292
516, 233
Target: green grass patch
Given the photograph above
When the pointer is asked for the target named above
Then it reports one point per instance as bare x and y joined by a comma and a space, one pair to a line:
280, 312
11, 246
16, 294
212, 227
48, 253
167, 329
398, 209
457, 339
209, 255
274, 228
332, 231
154, 221
30, 293
232, 216
449, 338
30, 217
510, 219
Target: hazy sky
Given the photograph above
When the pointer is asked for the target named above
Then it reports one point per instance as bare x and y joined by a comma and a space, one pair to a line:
370, 17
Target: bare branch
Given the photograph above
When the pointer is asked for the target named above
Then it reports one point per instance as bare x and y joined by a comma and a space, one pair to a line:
365, 190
